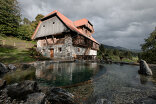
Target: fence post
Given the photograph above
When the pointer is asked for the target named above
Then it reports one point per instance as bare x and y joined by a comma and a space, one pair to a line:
25, 45
3, 42
14, 44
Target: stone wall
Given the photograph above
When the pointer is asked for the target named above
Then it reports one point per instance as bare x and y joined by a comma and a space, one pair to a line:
64, 51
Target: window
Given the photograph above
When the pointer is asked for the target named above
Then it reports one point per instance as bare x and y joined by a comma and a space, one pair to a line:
78, 49
43, 25
86, 31
60, 49
53, 22
68, 54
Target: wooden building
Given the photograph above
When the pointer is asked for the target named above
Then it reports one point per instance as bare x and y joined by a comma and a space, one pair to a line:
59, 37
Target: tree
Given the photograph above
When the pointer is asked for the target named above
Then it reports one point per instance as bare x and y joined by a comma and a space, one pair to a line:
149, 48
26, 21
116, 52
109, 52
37, 19
25, 32
26, 29
128, 54
9, 17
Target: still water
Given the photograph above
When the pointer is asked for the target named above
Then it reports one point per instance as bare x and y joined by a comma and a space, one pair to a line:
114, 82
63, 74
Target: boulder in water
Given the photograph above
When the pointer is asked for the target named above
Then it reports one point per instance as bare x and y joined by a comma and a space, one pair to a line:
144, 68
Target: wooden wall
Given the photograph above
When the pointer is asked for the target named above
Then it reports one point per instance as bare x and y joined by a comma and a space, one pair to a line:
50, 26
84, 42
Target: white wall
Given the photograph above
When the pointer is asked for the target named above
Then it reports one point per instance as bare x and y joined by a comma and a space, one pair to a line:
93, 52
38, 43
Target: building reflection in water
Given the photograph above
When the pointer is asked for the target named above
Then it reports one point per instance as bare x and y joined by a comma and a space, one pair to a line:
61, 74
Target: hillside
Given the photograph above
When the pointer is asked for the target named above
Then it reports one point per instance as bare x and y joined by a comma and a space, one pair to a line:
121, 48
107, 52
14, 50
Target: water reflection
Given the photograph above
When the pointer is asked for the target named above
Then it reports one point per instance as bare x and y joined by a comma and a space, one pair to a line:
149, 80
61, 74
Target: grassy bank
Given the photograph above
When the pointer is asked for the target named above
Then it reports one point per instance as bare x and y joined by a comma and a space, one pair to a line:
117, 59
14, 50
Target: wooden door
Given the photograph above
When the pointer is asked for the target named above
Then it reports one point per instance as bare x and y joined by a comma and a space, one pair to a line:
51, 53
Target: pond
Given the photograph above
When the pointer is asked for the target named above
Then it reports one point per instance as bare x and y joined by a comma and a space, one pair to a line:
63, 74
114, 82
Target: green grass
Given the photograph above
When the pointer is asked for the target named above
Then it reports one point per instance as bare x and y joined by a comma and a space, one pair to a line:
15, 50
19, 75
116, 58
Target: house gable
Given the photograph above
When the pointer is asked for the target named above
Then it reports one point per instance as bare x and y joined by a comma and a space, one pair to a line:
50, 26
68, 24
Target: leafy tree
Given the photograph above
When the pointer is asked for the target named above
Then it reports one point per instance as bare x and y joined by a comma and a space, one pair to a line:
25, 32
149, 48
26, 21
26, 29
102, 49
116, 52
128, 54
37, 19
9, 17
109, 52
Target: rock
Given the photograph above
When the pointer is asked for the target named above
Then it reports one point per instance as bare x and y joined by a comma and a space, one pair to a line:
11, 67
27, 92
103, 101
59, 96
25, 66
2, 83
35, 98
21, 90
144, 68
147, 100
3, 68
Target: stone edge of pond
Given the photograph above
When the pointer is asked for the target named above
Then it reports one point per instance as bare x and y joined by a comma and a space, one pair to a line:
13, 94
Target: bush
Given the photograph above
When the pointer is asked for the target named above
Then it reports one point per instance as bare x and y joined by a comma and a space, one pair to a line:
36, 55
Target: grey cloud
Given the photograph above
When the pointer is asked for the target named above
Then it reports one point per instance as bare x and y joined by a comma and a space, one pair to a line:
116, 22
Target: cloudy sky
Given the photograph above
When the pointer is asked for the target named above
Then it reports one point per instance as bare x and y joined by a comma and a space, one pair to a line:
116, 22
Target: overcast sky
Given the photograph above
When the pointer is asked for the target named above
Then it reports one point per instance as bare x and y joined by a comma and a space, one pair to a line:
122, 23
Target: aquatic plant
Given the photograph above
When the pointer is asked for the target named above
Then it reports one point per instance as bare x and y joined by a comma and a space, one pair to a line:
19, 75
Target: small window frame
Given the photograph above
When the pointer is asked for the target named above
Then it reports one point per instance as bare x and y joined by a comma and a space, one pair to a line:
60, 49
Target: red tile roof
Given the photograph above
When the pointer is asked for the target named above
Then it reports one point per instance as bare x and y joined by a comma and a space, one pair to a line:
83, 21
70, 24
